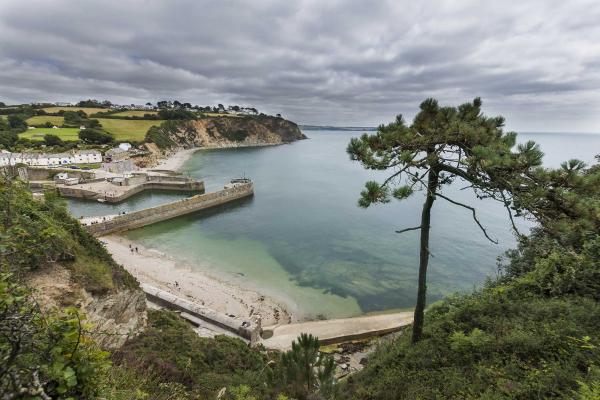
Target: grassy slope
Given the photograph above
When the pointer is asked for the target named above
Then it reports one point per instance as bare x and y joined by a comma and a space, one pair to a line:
35, 232
123, 129
42, 119
170, 361
65, 134
87, 110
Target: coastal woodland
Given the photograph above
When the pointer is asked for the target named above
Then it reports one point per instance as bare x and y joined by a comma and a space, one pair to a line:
531, 332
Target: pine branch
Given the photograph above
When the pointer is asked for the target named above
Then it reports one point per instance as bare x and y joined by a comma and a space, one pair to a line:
409, 229
474, 215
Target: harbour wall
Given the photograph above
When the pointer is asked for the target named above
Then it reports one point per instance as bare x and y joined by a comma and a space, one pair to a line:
246, 328
164, 183
167, 211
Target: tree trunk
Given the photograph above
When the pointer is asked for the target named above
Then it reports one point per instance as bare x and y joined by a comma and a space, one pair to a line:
432, 183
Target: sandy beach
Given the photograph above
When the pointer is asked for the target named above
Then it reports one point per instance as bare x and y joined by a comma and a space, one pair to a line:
158, 269
175, 161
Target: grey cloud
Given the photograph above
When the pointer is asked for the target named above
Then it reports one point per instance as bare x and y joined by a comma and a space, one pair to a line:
333, 62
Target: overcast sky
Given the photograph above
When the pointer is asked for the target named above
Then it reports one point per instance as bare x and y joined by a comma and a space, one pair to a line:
316, 62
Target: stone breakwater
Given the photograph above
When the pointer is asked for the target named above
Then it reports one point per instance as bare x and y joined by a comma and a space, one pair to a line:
101, 189
148, 216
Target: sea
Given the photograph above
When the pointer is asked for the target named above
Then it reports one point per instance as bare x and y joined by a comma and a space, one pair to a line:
303, 239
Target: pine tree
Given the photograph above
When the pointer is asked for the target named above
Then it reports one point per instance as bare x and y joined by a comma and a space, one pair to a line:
443, 144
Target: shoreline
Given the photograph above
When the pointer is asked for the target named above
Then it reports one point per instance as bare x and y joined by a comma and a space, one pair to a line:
177, 159
164, 272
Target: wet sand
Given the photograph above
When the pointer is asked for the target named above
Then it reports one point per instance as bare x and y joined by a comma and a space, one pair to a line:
158, 269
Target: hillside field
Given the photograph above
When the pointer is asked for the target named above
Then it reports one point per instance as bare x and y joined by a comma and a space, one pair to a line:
87, 110
124, 129
66, 134
42, 119
134, 113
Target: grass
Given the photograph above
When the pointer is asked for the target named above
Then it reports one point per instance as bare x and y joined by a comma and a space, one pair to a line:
134, 113
66, 134
124, 129
87, 110
209, 114
42, 119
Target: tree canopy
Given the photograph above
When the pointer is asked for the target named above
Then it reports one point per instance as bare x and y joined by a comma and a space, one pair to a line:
441, 146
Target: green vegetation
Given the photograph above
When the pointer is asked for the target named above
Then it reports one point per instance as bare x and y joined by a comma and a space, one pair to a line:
53, 140
534, 332
65, 134
443, 144
134, 113
161, 135
304, 370
44, 353
35, 234
174, 353
176, 113
95, 136
41, 120
127, 130
48, 353
87, 110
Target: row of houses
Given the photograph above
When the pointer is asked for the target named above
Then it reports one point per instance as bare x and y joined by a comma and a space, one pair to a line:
51, 159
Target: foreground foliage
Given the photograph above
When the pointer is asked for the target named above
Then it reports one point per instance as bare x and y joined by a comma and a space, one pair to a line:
532, 333
35, 234
443, 145
44, 355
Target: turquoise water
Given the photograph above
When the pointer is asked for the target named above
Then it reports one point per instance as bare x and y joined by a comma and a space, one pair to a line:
303, 239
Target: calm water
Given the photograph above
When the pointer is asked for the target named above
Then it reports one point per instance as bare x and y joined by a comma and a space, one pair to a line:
303, 239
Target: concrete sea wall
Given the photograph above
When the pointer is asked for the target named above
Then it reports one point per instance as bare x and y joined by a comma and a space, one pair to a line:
246, 328
167, 211
174, 185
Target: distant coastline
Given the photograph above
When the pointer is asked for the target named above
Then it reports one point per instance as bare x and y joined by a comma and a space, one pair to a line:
336, 128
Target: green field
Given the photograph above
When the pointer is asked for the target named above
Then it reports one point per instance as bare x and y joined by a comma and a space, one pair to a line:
124, 129
87, 110
134, 113
63, 133
42, 119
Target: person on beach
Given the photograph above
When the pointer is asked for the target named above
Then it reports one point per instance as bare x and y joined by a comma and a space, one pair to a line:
136, 249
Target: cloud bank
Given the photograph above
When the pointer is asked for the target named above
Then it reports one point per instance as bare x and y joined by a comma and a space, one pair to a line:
316, 62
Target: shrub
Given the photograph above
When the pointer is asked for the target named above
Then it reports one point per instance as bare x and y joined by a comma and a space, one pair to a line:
53, 140
94, 136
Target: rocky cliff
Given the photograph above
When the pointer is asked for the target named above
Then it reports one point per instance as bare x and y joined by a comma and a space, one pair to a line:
230, 131
114, 316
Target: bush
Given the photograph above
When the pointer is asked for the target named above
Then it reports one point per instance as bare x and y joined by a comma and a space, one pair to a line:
53, 140
35, 234
44, 354
177, 355
94, 136
177, 113
17, 123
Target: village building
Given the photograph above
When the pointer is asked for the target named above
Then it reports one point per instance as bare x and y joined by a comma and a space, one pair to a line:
51, 159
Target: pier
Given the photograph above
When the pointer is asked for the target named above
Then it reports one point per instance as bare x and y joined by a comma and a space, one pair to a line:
99, 226
117, 189
279, 337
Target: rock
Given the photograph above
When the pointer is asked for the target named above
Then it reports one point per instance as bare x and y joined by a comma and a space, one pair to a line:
115, 316
363, 361
344, 366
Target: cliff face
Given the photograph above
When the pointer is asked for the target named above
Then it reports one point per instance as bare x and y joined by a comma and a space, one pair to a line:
115, 315
215, 132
